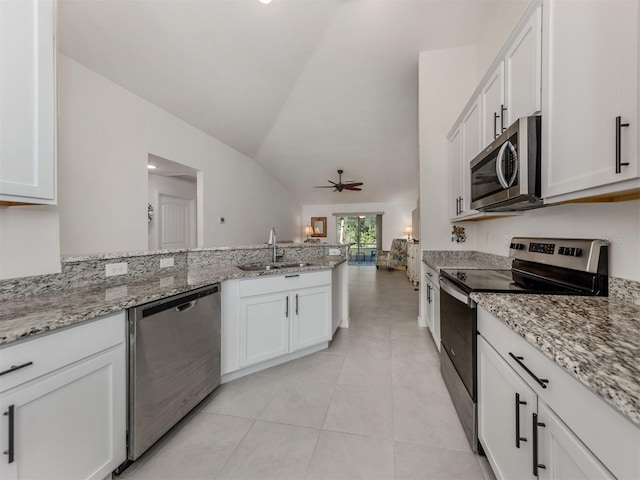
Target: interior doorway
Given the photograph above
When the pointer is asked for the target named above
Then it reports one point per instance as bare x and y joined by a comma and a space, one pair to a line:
364, 232
173, 205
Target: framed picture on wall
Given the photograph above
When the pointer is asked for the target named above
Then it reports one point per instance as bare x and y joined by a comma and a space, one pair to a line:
319, 225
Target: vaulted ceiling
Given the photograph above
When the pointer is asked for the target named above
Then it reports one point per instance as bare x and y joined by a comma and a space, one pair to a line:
303, 86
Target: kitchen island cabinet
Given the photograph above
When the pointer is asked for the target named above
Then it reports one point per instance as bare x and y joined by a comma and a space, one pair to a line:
271, 318
64, 412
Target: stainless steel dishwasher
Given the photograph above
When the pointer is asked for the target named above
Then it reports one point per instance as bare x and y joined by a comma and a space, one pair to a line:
174, 362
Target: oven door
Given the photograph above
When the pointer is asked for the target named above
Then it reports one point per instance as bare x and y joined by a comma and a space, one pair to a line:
458, 327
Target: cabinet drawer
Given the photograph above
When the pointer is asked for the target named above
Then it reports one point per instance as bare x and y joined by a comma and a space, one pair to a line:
281, 283
614, 439
432, 275
53, 351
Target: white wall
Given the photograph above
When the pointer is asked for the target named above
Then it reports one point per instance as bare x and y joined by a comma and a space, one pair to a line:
105, 136
29, 241
397, 216
447, 80
176, 187
617, 222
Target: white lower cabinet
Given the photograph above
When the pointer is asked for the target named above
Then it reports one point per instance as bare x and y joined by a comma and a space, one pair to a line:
561, 454
311, 319
264, 328
432, 303
505, 408
70, 422
536, 421
268, 317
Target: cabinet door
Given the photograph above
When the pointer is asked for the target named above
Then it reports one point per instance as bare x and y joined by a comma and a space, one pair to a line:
561, 453
505, 408
433, 310
455, 173
264, 328
492, 101
70, 424
592, 79
523, 72
311, 321
472, 145
27, 107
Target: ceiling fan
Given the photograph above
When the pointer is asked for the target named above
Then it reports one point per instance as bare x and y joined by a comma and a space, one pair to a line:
342, 186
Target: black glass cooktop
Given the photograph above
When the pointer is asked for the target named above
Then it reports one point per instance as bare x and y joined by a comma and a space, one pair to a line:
498, 281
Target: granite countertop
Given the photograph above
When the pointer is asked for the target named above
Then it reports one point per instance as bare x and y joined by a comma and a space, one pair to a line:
439, 259
31, 315
594, 339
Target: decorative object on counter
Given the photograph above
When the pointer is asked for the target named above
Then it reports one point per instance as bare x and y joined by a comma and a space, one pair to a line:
319, 226
150, 212
458, 235
408, 232
349, 185
307, 231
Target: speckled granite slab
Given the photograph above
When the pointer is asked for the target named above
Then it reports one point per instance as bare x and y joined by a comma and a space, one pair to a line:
26, 316
438, 259
595, 339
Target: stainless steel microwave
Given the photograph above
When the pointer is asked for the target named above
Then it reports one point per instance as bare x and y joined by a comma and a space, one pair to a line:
505, 176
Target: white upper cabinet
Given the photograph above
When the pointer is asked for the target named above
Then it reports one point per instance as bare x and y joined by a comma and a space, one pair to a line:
523, 72
471, 146
27, 102
455, 173
492, 100
591, 62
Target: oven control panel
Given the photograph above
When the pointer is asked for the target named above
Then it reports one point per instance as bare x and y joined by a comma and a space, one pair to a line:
548, 248
587, 255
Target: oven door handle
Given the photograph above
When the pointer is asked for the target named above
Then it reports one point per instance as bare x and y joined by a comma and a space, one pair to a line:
454, 291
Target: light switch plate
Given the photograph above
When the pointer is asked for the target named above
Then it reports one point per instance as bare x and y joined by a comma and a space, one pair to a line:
112, 269
334, 251
166, 262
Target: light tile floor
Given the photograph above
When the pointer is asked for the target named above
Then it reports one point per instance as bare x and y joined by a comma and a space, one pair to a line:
371, 406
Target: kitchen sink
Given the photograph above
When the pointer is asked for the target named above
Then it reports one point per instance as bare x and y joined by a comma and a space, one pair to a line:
260, 267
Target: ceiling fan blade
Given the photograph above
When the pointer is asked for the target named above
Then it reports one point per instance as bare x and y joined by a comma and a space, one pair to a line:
324, 186
348, 187
354, 184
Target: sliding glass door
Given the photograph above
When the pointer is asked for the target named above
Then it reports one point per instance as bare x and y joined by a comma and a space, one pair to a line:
361, 230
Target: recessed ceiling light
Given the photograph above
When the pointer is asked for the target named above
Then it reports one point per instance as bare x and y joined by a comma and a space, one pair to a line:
265, 1
151, 167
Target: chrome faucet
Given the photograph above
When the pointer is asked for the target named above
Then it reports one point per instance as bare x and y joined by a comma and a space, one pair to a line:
272, 241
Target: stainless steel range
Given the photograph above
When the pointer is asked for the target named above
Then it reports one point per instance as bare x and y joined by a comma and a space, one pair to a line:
540, 266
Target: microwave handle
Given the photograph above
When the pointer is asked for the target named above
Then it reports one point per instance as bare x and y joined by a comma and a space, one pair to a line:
500, 162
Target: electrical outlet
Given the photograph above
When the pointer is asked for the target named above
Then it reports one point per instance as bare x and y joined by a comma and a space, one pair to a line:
112, 269
334, 251
166, 262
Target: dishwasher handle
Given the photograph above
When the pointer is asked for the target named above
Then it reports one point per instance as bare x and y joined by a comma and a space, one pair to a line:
181, 304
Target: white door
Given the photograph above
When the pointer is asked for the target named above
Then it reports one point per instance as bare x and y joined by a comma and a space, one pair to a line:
176, 222
472, 145
455, 174
311, 322
561, 453
523, 71
263, 327
592, 80
492, 101
505, 408
27, 101
70, 425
